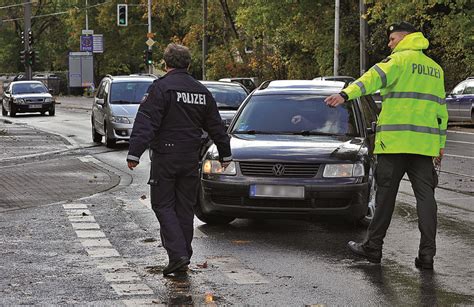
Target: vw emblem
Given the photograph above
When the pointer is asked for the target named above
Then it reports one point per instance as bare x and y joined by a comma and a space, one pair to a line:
278, 169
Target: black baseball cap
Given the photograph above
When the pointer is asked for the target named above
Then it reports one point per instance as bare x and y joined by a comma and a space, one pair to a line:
401, 27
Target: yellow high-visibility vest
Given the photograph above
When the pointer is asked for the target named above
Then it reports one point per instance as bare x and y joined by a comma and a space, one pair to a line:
414, 116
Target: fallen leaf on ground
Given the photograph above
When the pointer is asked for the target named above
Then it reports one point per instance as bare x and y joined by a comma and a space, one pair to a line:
203, 265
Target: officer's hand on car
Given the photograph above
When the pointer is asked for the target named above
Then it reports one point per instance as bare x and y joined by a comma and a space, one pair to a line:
334, 100
132, 164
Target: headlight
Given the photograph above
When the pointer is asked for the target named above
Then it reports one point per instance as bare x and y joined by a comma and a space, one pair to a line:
19, 101
343, 170
48, 100
120, 120
215, 167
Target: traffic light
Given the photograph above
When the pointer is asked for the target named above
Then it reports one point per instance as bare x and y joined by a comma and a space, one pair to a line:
122, 15
149, 57
31, 57
30, 38
22, 38
23, 56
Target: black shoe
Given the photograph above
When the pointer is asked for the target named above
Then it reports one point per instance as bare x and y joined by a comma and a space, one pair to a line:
424, 262
372, 255
175, 265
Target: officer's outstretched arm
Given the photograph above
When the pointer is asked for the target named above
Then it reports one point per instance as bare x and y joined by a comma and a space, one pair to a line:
379, 76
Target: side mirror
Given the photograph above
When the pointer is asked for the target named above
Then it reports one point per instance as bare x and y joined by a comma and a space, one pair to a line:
7, 92
51, 91
100, 101
373, 128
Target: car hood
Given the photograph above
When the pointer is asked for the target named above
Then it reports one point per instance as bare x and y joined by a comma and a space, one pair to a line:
32, 95
289, 148
126, 110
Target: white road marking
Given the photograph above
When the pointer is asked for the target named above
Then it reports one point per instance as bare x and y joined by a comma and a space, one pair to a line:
131, 289
75, 212
111, 264
460, 132
457, 156
234, 270
81, 218
96, 243
82, 226
99, 252
90, 234
75, 206
144, 302
460, 142
121, 276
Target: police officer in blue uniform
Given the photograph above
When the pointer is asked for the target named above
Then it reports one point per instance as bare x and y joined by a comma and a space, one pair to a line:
171, 120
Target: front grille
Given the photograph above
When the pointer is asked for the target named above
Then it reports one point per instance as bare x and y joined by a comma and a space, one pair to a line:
226, 200
272, 169
34, 100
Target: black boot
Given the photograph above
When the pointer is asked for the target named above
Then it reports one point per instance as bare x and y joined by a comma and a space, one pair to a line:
175, 265
372, 255
424, 262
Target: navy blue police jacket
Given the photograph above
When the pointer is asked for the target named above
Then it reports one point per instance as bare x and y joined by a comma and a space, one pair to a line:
173, 114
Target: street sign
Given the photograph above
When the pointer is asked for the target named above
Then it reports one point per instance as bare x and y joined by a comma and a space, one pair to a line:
150, 35
87, 32
150, 42
87, 43
98, 43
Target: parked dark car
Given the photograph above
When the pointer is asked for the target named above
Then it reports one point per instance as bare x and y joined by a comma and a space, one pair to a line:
228, 96
461, 102
27, 97
293, 157
248, 82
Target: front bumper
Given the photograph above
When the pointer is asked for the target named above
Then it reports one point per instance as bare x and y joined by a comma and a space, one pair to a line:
120, 131
230, 197
36, 107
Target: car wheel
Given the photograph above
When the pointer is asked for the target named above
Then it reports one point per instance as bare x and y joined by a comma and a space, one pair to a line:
96, 137
12, 110
211, 219
365, 221
52, 111
4, 111
110, 143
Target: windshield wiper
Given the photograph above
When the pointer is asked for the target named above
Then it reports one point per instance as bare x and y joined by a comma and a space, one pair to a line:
122, 102
308, 133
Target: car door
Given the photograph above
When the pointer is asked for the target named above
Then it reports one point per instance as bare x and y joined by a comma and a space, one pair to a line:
466, 100
99, 111
7, 97
453, 101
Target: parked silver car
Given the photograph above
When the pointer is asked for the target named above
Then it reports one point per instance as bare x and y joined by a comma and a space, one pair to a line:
115, 106
27, 97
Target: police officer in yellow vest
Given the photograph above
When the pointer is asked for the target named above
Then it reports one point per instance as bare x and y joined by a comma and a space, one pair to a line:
410, 137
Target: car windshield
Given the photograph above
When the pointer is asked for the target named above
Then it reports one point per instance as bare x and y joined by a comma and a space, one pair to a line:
227, 96
128, 92
294, 114
29, 88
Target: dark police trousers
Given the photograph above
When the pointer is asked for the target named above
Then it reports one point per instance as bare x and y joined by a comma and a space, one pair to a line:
389, 172
174, 181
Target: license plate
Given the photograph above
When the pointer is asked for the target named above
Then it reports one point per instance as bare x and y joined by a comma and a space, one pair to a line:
277, 191
35, 106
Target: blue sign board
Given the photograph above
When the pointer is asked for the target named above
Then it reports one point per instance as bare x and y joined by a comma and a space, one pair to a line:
87, 43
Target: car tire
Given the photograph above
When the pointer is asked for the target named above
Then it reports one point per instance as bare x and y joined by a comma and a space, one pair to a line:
96, 137
4, 111
12, 110
210, 219
52, 111
110, 143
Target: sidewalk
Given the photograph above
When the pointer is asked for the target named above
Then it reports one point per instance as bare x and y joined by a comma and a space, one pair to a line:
74, 102
34, 170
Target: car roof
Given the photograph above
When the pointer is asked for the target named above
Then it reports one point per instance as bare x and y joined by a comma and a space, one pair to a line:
26, 81
224, 83
133, 77
300, 87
